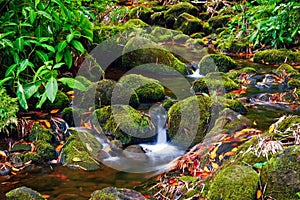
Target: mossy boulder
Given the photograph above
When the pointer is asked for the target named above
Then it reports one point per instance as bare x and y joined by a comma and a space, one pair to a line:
70, 113
45, 150
81, 150
183, 121
139, 51
218, 21
141, 12
276, 56
176, 10
147, 89
112, 193
216, 63
135, 23
124, 123
281, 174
38, 132
61, 101
237, 106
158, 18
200, 86
285, 68
8, 110
188, 24
104, 90
160, 34
248, 70
294, 83
30, 156
82, 79
181, 38
218, 81
167, 103
23, 193
235, 182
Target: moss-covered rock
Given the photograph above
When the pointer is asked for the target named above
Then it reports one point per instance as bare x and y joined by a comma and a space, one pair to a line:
141, 12
35, 158
158, 18
38, 132
281, 174
276, 56
200, 86
234, 183
160, 34
135, 152
147, 89
188, 24
104, 90
61, 101
237, 106
216, 63
220, 82
167, 103
248, 70
124, 123
294, 83
183, 121
218, 21
181, 38
82, 79
19, 147
176, 10
112, 193
8, 111
81, 150
45, 150
23, 193
285, 68
70, 113
135, 23
139, 51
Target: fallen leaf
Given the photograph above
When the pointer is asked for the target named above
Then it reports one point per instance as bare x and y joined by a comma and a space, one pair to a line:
213, 154
54, 111
258, 194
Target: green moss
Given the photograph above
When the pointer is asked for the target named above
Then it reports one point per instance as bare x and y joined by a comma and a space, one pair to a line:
147, 89
162, 34
124, 123
200, 86
198, 35
276, 56
112, 193
188, 24
216, 63
104, 90
288, 123
176, 10
40, 133
61, 101
82, 79
167, 103
69, 114
45, 150
207, 29
220, 82
234, 183
19, 147
248, 70
237, 106
141, 12
286, 68
181, 38
135, 23
181, 124
139, 51
158, 18
80, 151
8, 111
100, 195
281, 174
35, 158
294, 83
160, 8
218, 21
101, 33
23, 193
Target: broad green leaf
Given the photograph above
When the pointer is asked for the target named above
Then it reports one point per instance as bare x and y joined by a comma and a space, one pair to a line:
68, 58
10, 70
45, 14
88, 34
73, 83
16, 56
42, 55
6, 43
32, 16
2, 81
58, 65
77, 45
44, 39
42, 70
51, 89
31, 88
39, 31
19, 44
59, 56
63, 7
259, 165
26, 24
42, 101
61, 45
2, 35
21, 96
48, 47
36, 2
70, 37
23, 66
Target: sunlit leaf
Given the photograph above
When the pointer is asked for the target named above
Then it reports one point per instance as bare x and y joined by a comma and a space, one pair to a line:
21, 96
72, 83
77, 45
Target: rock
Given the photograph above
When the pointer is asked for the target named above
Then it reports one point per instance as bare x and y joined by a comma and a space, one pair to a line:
135, 23
135, 152
188, 24
139, 51
158, 18
276, 56
248, 70
23, 193
167, 103
38, 132
61, 101
200, 86
183, 121
19, 147
126, 124
160, 34
147, 89
216, 63
116, 145
281, 174
218, 81
176, 10
104, 90
45, 150
34, 157
236, 106
234, 183
285, 68
70, 113
141, 12
80, 151
218, 21
293, 83
112, 193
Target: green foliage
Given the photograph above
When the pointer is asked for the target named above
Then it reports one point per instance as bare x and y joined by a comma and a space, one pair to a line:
8, 110
38, 39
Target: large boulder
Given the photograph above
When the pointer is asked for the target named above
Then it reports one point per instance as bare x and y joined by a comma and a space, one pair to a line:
216, 63
124, 123
139, 51
218, 21
141, 12
147, 89
235, 182
23, 193
61, 101
173, 13
276, 56
188, 24
281, 174
112, 193
183, 121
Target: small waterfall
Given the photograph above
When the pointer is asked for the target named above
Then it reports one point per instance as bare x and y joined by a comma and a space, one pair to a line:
195, 74
158, 118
